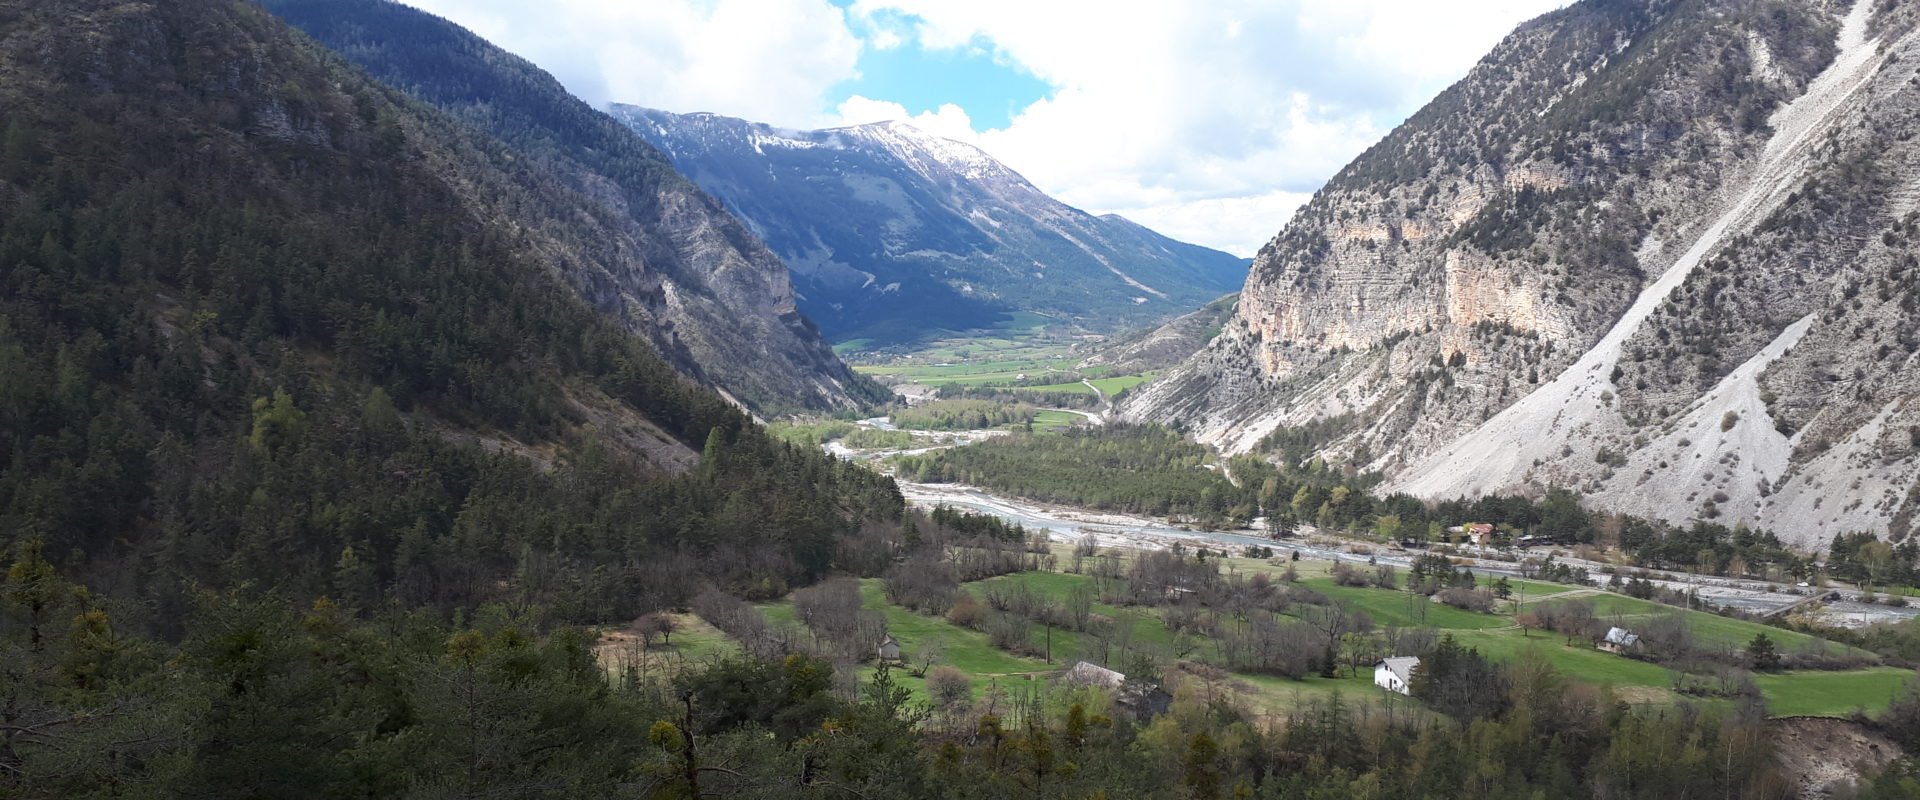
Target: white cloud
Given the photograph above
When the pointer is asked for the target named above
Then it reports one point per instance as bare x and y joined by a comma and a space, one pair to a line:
1238, 225
1209, 120
767, 60
949, 120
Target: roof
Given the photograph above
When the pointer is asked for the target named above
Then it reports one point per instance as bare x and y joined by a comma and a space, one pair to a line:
1400, 666
1086, 674
1622, 637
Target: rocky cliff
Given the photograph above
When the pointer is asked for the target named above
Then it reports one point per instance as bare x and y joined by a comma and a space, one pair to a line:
1657, 251
893, 233
637, 240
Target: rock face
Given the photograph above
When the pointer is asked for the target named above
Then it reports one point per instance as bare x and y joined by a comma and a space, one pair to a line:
636, 239
892, 232
1659, 252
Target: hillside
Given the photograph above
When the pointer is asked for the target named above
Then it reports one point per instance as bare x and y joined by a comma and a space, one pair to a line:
1658, 252
892, 233
1165, 346
263, 325
655, 253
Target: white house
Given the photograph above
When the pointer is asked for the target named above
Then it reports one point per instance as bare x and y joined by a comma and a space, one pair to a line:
1395, 674
889, 649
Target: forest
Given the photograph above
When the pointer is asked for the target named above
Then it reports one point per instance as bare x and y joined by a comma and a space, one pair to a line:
1132, 469
296, 366
963, 415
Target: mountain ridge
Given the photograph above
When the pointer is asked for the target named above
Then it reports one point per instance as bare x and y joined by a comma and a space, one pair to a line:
684, 273
892, 231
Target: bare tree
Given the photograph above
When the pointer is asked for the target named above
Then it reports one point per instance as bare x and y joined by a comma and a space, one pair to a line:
926, 655
655, 624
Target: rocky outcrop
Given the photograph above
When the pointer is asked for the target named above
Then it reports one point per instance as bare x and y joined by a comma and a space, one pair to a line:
1654, 251
893, 233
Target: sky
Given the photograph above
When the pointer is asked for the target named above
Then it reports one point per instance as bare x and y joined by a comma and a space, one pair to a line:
1208, 120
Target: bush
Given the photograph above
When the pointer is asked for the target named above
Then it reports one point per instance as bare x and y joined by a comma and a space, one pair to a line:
1344, 575
967, 612
949, 687
1480, 600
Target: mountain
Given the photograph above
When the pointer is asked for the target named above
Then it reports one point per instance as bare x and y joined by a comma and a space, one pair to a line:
661, 257
892, 232
1657, 251
1164, 346
268, 325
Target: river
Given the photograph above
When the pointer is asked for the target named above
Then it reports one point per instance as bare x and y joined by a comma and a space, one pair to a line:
1066, 524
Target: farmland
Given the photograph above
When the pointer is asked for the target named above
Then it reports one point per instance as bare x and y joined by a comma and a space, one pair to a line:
1148, 632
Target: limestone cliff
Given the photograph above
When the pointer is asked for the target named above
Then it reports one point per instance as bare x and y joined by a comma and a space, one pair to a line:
1656, 251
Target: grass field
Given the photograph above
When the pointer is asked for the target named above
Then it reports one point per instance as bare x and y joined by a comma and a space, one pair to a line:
1119, 383
1723, 631
1072, 387
1056, 419
693, 642
1832, 693
1495, 635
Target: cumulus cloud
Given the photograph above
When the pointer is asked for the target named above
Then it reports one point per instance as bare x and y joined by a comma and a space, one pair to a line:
949, 120
767, 60
1210, 121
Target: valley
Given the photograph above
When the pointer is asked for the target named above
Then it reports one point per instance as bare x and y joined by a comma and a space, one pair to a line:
387, 412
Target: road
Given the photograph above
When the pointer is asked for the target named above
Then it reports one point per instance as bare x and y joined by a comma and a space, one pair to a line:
1065, 524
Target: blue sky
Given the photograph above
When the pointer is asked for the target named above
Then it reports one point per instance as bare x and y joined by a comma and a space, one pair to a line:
991, 90
989, 86
1208, 120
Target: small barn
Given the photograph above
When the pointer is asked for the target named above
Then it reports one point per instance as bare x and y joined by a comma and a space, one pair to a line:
889, 649
1395, 674
1143, 700
1089, 674
1619, 640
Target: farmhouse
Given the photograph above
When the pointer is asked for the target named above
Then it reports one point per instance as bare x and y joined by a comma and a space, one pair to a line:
889, 649
1395, 674
1144, 700
1619, 640
1478, 533
1087, 674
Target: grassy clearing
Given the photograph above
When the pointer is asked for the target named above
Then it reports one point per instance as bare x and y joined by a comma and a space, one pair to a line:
1792, 694
1074, 387
1403, 609
693, 642
1056, 419
1120, 383
1706, 627
965, 650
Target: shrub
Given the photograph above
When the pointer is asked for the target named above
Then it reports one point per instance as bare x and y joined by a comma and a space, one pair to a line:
949, 687
1480, 600
967, 612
